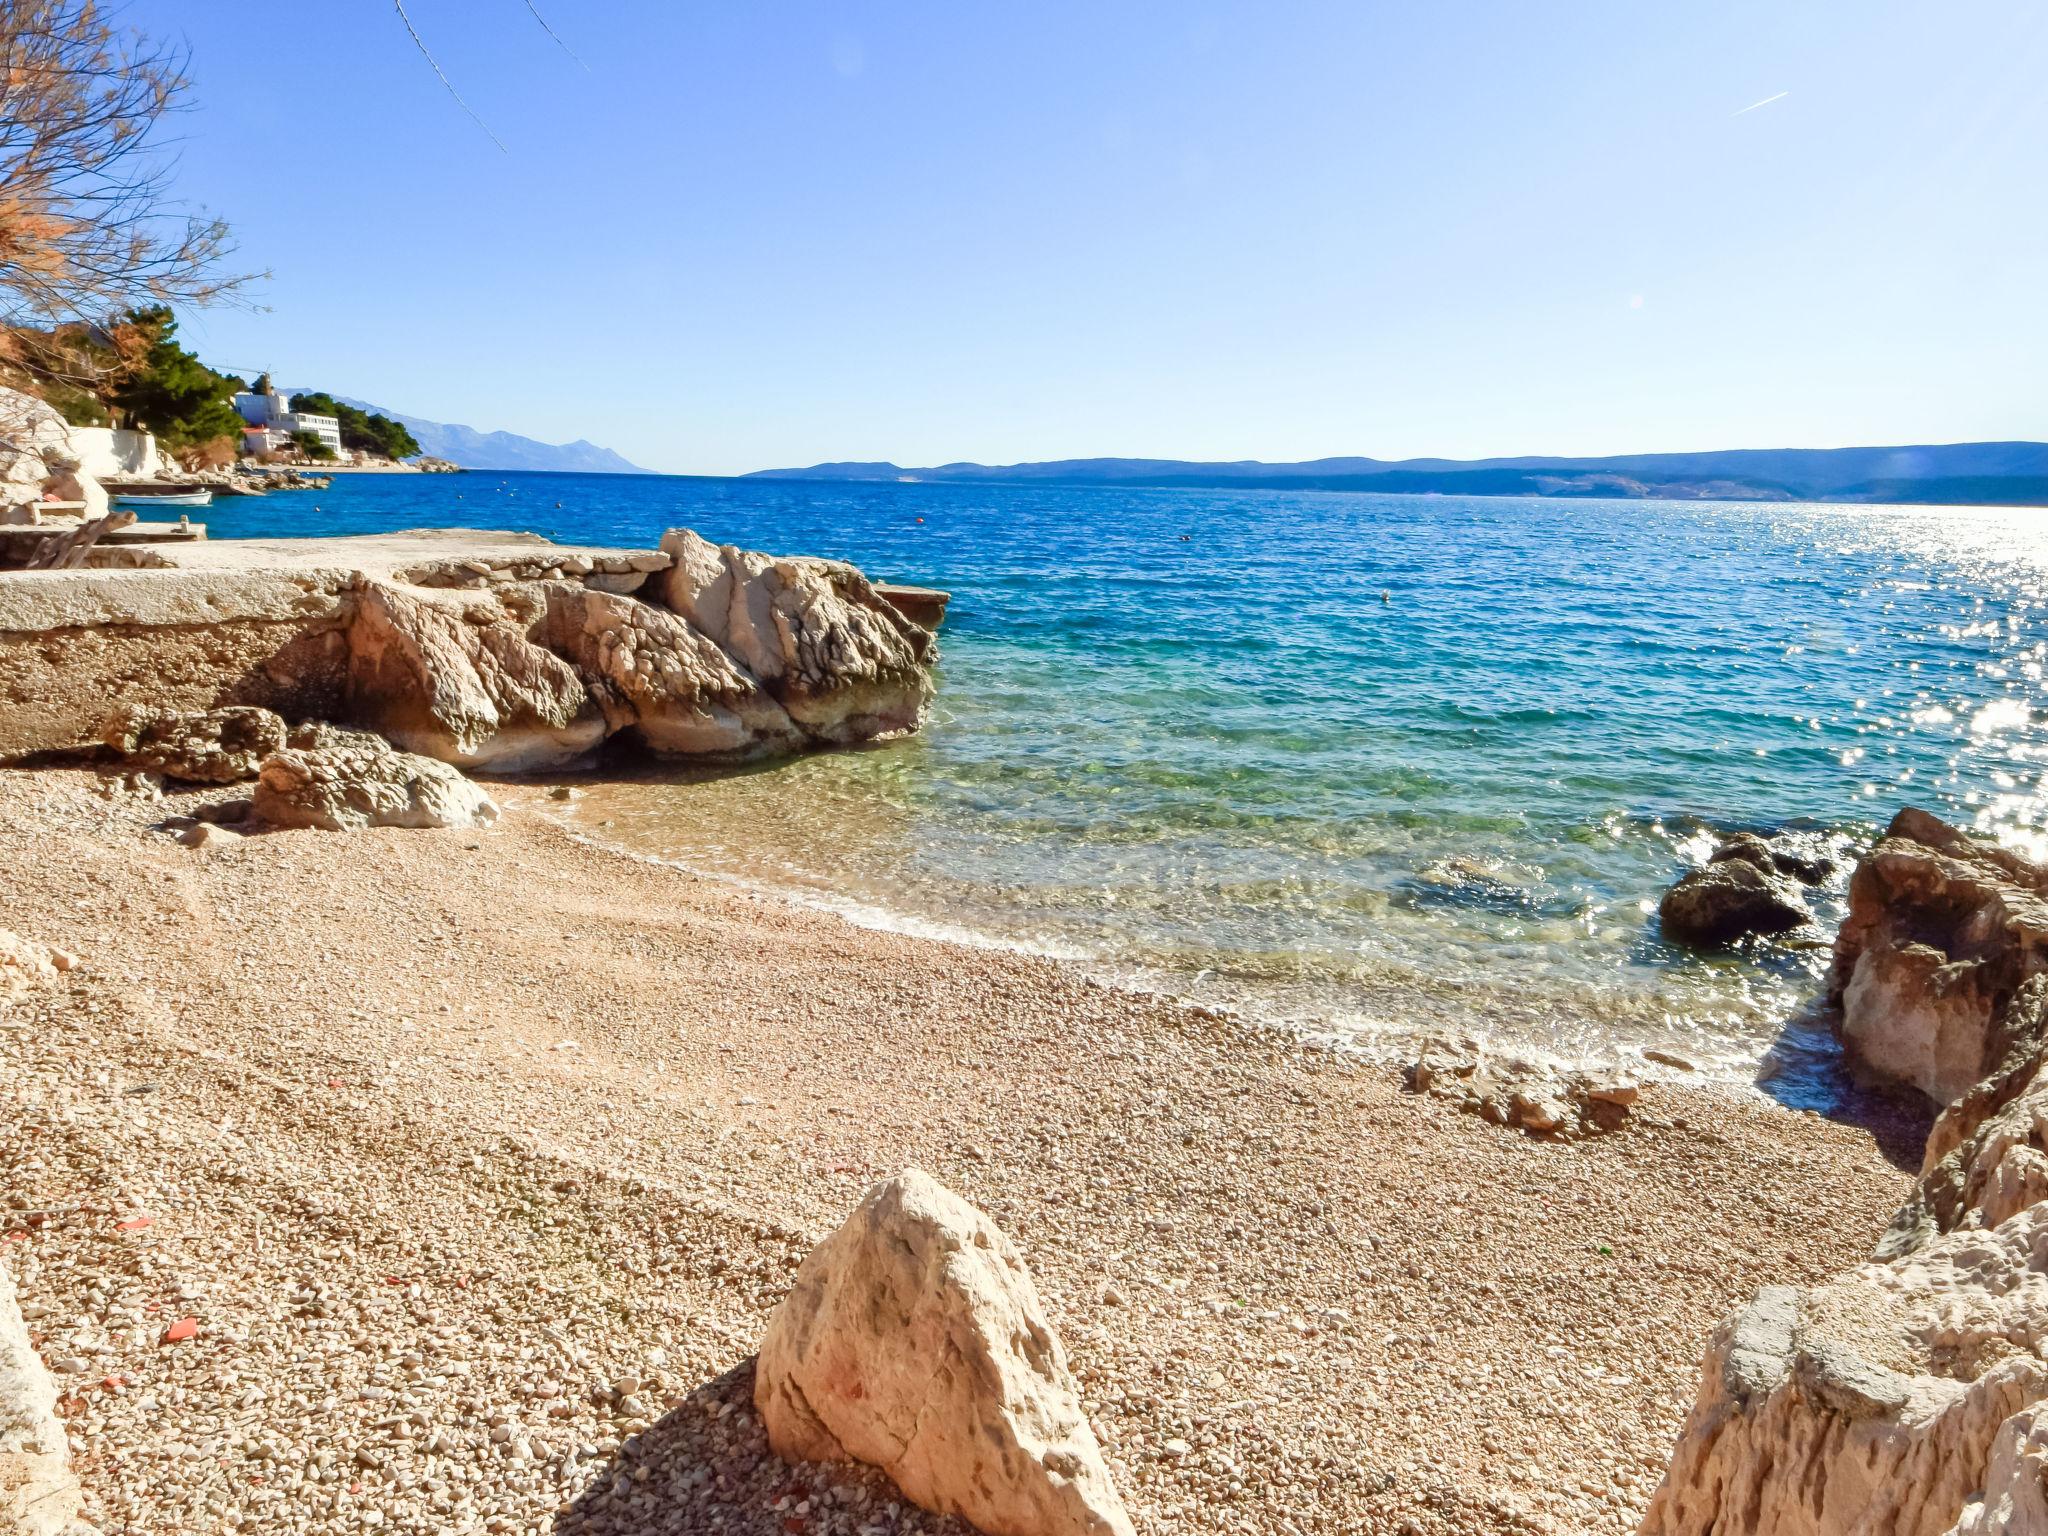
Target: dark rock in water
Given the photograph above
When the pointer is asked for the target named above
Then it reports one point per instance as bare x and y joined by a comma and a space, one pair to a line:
1771, 859
1730, 898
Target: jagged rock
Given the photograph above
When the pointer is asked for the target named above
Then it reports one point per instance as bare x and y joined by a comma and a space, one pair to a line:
453, 674
2015, 1498
339, 788
913, 1340
1941, 931
655, 675
843, 662
1869, 1403
1729, 899
215, 746
24, 965
1905, 1397
38, 1494
1520, 1091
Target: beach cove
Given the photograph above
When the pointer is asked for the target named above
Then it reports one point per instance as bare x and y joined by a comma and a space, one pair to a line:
441, 1136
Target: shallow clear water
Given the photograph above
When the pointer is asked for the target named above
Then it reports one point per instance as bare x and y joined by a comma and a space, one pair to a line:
1368, 763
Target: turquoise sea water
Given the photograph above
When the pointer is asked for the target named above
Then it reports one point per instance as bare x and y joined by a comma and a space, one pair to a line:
1363, 763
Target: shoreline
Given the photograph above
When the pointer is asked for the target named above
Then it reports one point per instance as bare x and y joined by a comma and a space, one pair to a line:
402, 1105
1369, 1036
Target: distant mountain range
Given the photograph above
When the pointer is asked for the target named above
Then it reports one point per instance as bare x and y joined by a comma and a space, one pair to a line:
1954, 473
501, 450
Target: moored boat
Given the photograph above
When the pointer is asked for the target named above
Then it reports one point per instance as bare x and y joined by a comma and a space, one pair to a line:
132, 498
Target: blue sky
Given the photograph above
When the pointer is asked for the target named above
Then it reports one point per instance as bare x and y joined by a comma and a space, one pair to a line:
744, 233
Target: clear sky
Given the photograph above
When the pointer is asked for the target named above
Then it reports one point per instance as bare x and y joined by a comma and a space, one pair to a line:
747, 233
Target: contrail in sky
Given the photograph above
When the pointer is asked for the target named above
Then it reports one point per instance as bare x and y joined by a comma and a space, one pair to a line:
1764, 103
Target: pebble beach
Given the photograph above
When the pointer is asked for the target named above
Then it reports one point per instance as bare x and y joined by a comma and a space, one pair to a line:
443, 1181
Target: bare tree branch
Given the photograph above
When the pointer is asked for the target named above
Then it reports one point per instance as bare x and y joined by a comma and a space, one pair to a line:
420, 43
551, 33
87, 223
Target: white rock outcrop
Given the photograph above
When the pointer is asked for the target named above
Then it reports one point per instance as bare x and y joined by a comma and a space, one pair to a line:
339, 788
38, 462
842, 660
454, 674
913, 1340
38, 1494
656, 676
1907, 1396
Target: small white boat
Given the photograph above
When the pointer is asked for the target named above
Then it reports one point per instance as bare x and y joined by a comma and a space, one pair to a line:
162, 498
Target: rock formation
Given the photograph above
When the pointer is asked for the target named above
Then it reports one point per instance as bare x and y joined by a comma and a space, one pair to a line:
217, 746
38, 464
1907, 1396
843, 662
337, 788
913, 1340
656, 676
1746, 887
455, 675
1520, 1091
38, 1494
490, 651
1941, 931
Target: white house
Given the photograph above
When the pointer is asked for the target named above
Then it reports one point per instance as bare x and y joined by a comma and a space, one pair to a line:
272, 420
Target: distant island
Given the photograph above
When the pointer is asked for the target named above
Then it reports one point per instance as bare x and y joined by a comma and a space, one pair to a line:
1998, 474
501, 450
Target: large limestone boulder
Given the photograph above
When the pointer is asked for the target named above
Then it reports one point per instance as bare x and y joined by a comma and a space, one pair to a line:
913, 1340
1941, 931
654, 675
1905, 1397
38, 1494
339, 788
456, 676
215, 746
844, 662
1729, 899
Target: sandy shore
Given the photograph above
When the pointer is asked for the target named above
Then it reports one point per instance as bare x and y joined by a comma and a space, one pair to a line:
478, 1159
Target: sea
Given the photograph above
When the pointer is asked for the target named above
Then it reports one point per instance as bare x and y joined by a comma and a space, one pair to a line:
1358, 766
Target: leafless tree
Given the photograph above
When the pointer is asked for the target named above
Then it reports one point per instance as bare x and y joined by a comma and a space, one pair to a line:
87, 223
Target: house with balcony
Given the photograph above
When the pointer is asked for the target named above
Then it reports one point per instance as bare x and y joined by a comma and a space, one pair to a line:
271, 421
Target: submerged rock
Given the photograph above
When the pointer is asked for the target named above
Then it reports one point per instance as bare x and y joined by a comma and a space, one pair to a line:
1907, 1395
913, 1340
344, 787
215, 746
1731, 898
1531, 1095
